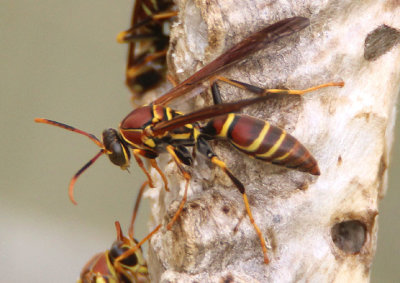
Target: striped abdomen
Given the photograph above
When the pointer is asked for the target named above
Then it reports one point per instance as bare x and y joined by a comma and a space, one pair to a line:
261, 140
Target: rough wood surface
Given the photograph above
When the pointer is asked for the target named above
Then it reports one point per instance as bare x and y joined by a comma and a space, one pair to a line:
321, 229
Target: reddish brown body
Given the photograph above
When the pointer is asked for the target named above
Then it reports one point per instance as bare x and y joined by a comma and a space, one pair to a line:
261, 140
96, 267
255, 137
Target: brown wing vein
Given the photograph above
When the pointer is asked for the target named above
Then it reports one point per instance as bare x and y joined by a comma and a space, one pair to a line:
251, 44
205, 113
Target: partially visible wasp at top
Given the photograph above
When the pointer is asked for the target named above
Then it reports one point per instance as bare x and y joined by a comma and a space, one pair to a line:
148, 39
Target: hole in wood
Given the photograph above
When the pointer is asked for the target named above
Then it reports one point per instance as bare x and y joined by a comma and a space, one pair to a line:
349, 236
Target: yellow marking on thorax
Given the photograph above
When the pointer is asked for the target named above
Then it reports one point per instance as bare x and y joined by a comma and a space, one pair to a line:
169, 114
156, 118
274, 148
100, 279
150, 143
131, 130
184, 136
128, 141
225, 127
134, 145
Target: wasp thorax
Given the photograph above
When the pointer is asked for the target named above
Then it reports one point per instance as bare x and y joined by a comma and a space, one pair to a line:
117, 151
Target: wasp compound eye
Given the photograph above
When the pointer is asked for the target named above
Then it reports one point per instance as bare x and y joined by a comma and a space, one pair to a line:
118, 152
116, 251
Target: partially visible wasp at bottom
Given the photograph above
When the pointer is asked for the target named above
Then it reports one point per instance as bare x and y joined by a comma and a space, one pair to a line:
153, 129
104, 267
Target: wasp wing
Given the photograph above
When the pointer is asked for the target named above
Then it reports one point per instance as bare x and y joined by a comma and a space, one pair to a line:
206, 113
238, 52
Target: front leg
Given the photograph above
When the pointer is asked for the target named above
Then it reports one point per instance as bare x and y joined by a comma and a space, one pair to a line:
137, 153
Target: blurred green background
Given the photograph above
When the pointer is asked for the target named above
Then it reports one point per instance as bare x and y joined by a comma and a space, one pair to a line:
60, 60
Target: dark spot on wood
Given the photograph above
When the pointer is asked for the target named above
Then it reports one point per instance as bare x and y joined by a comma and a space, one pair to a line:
251, 200
383, 165
227, 279
339, 160
239, 222
380, 41
225, 209
304, 186
194, 205
276, 219
271, 236
349, 236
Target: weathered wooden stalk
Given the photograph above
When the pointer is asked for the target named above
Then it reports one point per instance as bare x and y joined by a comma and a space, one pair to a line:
321, 229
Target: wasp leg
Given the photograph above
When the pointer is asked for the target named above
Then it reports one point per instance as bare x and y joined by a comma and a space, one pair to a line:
154, 164
163, 16
216, 94
151, 156
136, 208
133, 250
204, 148
262, 91
187, 177
128, 35
137, 153
133, 71
184, 155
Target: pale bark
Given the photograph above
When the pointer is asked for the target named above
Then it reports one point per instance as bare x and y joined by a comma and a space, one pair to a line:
349, 130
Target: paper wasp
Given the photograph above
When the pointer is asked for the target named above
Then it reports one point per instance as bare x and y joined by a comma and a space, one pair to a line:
153, 129
148, 40
104, 267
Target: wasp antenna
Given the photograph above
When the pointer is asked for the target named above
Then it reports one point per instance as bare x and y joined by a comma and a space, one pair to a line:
134, 249
70, 128
120, 235
75, 177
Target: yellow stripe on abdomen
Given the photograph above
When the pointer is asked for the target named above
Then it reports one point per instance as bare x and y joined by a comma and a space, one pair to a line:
257, 142
274, 148
227, 124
